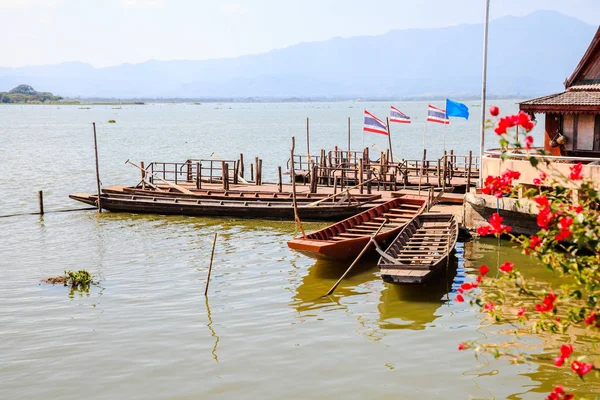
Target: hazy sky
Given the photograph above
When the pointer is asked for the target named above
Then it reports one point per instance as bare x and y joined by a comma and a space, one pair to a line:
110, 32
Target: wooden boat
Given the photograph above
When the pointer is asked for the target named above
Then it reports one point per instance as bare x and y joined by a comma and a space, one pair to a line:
211, 207
420, 250
345, 240
235, 195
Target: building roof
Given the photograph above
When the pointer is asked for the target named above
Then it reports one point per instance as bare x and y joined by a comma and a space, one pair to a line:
590, 56
578, 100
582, 93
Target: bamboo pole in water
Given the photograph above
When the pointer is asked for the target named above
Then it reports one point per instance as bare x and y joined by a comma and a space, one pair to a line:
294, 203
364, 250
97, 171
212, 254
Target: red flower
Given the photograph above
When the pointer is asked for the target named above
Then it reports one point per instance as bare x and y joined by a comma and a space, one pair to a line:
528, 141
578, 209
480, 277
542, 201
521, 312
537, 182
535, 242
483, 270
559, 389
559, 361
576, 173
590, 319
497, 227
500, 185
494, 111
547, 303
463, 346
459, 298
566, 350
466, 286
507, 267
488, 306
543, 176
581, 368
565, 222
483, 230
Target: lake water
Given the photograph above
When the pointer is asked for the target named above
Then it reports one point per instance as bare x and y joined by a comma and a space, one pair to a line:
265, 331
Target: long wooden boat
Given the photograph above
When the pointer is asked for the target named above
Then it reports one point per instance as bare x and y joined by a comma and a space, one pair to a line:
420, 250
345, 239
210, 207
244, 195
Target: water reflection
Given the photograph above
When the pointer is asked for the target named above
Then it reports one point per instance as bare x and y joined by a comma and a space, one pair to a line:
414, 306
398, 306
212, 331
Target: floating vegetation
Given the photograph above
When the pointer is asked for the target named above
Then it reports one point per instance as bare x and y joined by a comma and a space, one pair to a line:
111, 121
80, 280
85, 108
116, 108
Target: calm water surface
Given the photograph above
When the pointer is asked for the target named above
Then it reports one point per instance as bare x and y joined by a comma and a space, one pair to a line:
148, 332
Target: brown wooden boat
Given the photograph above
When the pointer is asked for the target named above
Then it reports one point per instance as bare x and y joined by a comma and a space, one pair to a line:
345, 239
245, 195
212, 207
420, 250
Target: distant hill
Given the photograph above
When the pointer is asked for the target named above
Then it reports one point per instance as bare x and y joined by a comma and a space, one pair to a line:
528, 56
27, 94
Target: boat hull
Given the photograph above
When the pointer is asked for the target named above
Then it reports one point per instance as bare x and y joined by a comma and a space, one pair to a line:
238, 209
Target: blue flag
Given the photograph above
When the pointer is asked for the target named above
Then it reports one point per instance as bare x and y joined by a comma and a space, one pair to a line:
456, 109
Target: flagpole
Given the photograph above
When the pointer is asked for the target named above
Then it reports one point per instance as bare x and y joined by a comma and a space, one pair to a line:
445, 125
387, 119
483, 90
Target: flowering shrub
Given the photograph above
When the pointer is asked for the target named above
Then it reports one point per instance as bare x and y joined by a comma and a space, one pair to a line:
567, 243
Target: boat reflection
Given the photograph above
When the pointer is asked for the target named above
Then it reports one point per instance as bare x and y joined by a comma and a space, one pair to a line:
414, 306
398, 306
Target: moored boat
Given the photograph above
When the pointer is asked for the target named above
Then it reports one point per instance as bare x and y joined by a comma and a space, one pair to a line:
211, 207
345, 239
420, 250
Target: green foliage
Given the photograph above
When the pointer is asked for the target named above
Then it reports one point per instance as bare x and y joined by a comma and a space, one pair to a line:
27, 94
80, 280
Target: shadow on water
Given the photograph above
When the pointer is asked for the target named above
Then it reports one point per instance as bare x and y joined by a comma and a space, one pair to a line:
399, 306
414, 306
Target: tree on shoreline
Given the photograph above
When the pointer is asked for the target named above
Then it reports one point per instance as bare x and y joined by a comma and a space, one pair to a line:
27, 94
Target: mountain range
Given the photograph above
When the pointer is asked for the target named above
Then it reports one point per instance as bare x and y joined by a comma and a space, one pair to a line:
528, 56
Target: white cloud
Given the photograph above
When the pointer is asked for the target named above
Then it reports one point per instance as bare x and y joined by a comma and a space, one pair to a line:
142, 3
29, 3
232, 8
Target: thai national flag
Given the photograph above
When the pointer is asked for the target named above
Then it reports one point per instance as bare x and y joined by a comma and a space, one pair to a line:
374, 124
398, 116
438, 115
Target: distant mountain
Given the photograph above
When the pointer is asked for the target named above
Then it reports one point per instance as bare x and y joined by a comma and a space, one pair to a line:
528, 56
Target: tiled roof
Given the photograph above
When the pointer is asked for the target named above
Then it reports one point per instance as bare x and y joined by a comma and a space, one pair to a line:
568, 98
592, 86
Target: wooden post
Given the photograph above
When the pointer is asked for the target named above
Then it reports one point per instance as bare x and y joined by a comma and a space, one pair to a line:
257, 180
259, 172
97, 170
41, 202
307, 140
242, 165
212, 254
315, 178
294, 202
224, 175
452, 162
348, 140
251, 172
469, 171
369, 173
387, 119
236, 172
445, 170
198, 175
143, 170
188, 176
361, 168
439, 173
280, 184
335, 155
